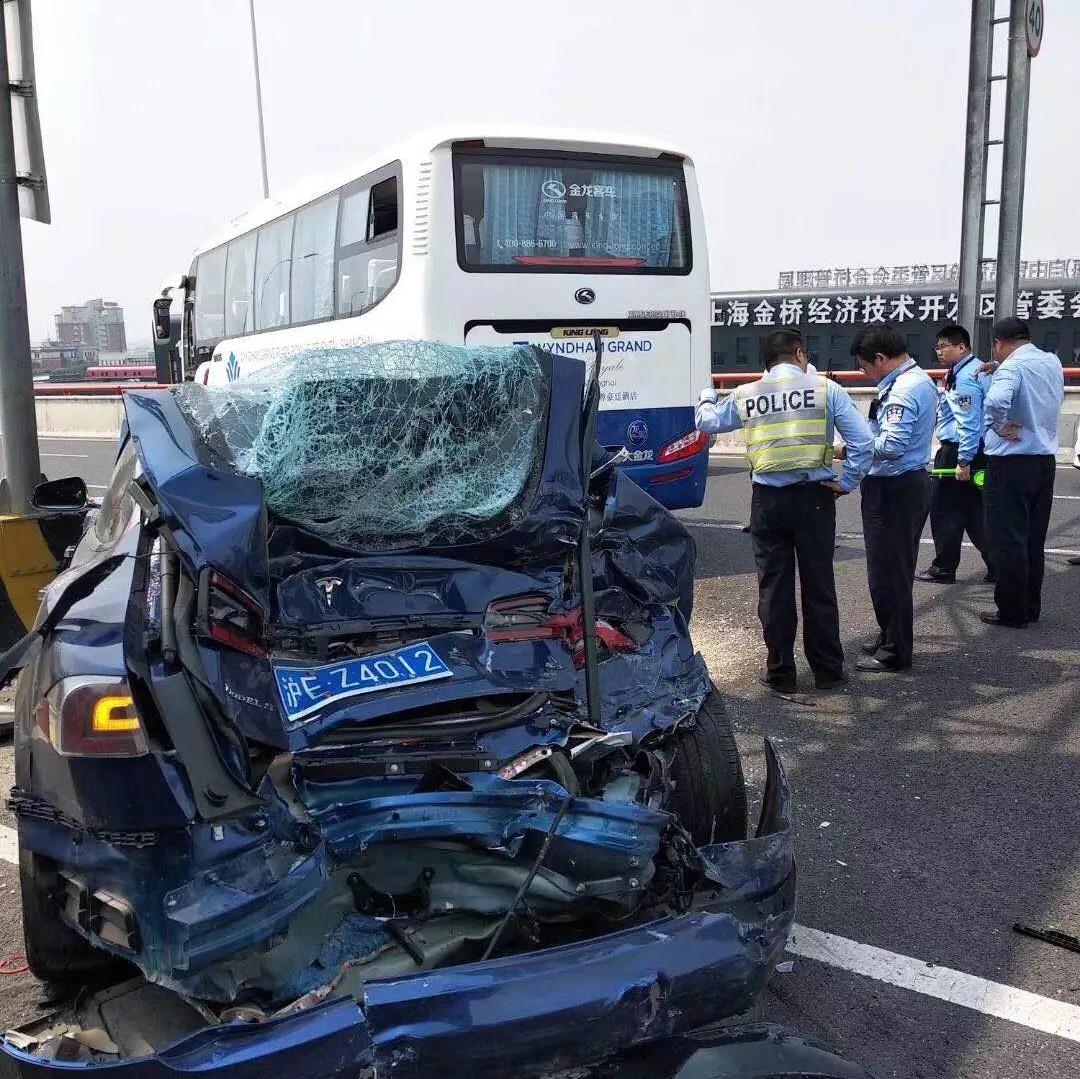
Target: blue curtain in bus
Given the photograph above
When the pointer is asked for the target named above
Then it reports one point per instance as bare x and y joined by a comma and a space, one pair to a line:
524, 213
637, 220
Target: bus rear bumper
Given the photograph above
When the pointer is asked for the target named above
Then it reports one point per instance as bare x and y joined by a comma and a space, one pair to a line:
680, 485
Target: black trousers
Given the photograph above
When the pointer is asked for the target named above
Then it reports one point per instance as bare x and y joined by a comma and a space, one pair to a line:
1019, 498
956, 508
894, 510
789, 524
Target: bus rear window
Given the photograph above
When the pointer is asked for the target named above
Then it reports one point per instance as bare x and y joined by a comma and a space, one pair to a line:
559, 214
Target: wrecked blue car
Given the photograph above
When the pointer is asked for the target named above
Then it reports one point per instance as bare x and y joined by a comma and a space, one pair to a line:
365, 731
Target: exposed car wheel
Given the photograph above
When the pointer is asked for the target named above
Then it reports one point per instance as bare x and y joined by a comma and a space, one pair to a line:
710, 792
54, 951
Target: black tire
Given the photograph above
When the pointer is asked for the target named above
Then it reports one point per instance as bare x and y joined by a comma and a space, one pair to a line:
710, 791
54, 951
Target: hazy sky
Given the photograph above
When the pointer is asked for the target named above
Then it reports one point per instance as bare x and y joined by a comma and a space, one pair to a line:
826, 132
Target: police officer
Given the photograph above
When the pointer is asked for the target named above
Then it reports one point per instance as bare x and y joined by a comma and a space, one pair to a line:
1023, 408
956, 504
896, 493
788, 417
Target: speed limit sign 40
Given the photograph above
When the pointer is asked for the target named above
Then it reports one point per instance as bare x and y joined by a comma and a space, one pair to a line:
1034, 19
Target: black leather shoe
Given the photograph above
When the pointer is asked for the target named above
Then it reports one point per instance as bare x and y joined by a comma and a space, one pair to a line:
831, 681
992, 618
869, 648
776, 687
936, 576
872, 665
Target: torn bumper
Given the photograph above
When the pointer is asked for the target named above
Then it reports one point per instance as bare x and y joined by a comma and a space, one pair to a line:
528, 1014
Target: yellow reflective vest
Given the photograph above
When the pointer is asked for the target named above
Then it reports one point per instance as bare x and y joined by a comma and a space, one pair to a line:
786, 423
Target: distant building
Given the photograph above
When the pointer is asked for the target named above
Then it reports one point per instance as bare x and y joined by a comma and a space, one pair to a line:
830, 306
99, 323
52, 356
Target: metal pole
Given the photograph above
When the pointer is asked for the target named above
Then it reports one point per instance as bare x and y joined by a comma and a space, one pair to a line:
1014, 156
18, 420
978, 126
258, 100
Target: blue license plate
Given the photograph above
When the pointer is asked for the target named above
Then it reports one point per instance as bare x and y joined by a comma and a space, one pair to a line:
304, 690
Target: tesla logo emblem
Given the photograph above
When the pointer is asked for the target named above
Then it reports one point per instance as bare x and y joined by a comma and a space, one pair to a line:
553, 189
584, 295
328, 584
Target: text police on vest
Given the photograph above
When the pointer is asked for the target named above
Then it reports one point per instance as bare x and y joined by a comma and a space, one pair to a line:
781, 402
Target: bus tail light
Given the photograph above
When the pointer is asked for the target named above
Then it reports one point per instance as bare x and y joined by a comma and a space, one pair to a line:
92, 717
683, 447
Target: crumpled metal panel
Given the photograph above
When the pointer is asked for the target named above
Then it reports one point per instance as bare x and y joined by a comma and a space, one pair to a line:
541, 1012
563, 1007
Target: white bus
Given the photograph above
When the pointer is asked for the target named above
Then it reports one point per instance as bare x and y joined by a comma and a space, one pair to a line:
490, 239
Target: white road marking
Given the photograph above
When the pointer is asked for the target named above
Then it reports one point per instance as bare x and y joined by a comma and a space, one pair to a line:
82, 456
726, 527
955, 987
9, 845
966, 990
1069, 498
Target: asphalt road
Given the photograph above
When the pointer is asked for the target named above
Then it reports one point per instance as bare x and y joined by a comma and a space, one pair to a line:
934, 808
90, 458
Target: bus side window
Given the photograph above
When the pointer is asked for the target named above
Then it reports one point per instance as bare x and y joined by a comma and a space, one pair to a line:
313, 261
272, 262
367, 266
384, 208
239, 285
210, 297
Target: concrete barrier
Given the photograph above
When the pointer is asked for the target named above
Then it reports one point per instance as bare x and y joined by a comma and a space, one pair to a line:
100, 416
79, 417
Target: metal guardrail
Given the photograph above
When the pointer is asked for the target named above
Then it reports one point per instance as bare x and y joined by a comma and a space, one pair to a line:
91, 389
95, 389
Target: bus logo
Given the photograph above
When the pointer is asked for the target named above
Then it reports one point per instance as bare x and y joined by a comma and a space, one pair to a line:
232, 368
638, 432
553, 189
584, 295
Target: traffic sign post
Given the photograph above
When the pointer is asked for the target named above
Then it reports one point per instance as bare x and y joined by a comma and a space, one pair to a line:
1034, 19
18, 420
1026, 21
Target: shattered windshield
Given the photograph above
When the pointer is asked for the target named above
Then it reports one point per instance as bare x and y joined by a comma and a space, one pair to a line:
394, 444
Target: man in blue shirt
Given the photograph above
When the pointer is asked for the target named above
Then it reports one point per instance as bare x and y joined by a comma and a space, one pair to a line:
1022, 408
896, 493
956, 504
789, 418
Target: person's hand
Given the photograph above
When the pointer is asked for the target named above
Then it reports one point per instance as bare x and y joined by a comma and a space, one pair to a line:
834, 487
840, 452
988, 368
963, 473
707, 394
1011, 431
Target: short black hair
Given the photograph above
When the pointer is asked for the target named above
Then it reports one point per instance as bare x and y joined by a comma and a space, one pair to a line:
780, 345
884, 339
1010, 329
955, 334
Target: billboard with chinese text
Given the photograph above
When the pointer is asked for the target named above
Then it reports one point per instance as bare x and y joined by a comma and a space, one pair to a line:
829, 320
